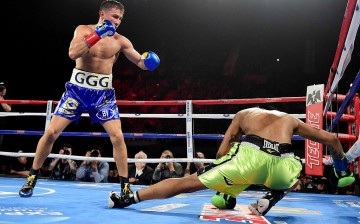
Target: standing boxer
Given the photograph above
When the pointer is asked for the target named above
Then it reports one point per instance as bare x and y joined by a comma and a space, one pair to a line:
264, 157
95, 49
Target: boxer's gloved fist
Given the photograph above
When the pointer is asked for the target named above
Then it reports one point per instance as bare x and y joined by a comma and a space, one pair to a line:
340, 174
102, 30
151, 60
341, 179
223, 201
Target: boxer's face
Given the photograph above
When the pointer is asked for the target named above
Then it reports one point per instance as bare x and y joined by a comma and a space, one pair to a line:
114, 15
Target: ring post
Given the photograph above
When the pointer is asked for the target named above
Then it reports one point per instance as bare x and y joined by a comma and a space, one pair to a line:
189, 129
48, 113
314, 111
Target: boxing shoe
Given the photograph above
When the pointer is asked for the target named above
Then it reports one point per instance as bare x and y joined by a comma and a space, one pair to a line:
124, 198
28, 188
223, 201
260, 207
263, 205
120, 201
126, 189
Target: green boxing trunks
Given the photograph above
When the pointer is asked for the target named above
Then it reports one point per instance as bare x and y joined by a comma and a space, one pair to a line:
254, 161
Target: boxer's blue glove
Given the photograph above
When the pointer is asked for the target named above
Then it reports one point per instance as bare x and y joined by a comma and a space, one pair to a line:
151, 60
340, 174
102, 30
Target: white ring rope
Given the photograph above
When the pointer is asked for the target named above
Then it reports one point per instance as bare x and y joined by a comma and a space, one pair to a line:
127, 115
108, 159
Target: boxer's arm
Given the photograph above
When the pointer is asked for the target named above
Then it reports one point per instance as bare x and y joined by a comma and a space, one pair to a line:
232, 134
147, 61
131, 54
85, 37
341, 174
321, 136
78, 47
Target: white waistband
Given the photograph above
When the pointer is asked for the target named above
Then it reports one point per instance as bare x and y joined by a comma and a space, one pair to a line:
91, 80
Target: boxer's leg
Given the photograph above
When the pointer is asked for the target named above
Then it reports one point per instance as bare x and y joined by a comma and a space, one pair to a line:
43, 149
113, 128
163, 189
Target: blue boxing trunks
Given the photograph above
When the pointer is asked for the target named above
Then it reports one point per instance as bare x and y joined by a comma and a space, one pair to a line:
91, 93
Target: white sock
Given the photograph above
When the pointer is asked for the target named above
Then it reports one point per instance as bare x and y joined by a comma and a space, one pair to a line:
137, 200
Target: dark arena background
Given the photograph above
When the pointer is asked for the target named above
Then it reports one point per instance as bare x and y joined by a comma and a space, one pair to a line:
209, 50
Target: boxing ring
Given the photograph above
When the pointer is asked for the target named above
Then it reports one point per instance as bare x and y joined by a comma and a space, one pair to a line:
72, 201
57, 201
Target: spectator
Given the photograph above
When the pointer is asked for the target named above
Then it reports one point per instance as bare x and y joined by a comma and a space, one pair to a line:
116, 176
301, 183
140, 173
193, 167
3, 169
321, 187
299, 187
310, 185
63, 169
44, 171
93, 171
112, 178
21, 166
4, 107
167, 170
